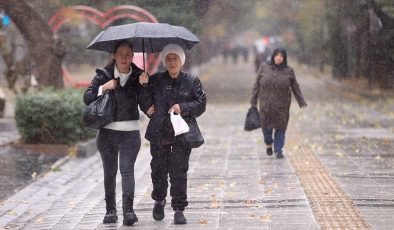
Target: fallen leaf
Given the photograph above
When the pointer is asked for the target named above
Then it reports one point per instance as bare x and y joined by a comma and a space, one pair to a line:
230, 194
12, 213
71, 204
297, 147
72, 151
340, 154
40, 220
266, 218
269, 190
291, 188
214, 202
202, 221
56, 169
33, 175
250, 203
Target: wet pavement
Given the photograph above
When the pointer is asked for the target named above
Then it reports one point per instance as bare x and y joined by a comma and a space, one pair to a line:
353, 136
18, 169
233, 184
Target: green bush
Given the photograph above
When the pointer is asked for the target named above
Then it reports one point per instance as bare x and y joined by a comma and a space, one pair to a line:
51, 117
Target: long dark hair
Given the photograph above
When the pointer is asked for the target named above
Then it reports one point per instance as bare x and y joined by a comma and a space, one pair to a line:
276, 52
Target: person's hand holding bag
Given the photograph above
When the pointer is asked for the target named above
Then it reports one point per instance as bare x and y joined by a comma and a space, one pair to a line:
178, 123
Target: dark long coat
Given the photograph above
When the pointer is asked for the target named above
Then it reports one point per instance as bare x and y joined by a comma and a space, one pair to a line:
272, 90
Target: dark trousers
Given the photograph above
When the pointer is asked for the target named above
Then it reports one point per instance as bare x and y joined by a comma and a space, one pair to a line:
278, 139
126, 145
172, 160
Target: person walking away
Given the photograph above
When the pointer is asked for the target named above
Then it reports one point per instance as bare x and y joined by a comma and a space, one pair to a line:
178, 91
121, 138
272, 89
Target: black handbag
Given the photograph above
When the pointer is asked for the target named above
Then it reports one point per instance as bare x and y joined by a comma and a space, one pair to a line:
100, 112
194, 137
252, 120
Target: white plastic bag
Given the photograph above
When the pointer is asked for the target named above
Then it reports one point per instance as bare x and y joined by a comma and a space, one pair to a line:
180, 126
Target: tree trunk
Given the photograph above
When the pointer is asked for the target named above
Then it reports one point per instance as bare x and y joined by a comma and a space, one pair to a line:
47, 53
340, 68
381, 43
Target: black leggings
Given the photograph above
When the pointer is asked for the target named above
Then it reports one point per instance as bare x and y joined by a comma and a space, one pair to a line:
127, 144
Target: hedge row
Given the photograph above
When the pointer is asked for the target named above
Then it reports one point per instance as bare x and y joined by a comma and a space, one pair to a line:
51, 117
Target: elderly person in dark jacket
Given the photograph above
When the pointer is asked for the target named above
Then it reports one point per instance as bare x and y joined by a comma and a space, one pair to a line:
274, 83
122, 136
173, 90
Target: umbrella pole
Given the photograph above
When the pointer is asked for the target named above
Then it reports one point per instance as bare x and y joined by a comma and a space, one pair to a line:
143, 53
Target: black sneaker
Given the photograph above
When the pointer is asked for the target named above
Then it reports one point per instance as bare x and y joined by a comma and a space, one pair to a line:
269, 151
179, 218
110, 217
158, 210
279, 155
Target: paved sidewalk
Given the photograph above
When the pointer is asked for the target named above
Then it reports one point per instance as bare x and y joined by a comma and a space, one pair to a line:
233, 184
353, 136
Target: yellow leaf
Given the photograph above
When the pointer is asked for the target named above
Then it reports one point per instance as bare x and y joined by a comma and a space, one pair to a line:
40, 220
202, 221
339, 154
230, 194
12, 213
215, 205
266, 218
269, 190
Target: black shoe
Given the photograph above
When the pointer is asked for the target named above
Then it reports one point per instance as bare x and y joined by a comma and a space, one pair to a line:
179, 218
158, 210
279, 155
269, 151
110, 217
129, 217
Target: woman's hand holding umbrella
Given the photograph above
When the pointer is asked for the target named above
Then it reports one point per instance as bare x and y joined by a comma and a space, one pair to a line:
144, 78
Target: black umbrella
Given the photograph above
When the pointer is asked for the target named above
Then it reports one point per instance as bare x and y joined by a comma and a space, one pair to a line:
146, 37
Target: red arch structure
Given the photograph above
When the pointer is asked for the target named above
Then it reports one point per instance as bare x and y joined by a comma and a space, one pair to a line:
103, 20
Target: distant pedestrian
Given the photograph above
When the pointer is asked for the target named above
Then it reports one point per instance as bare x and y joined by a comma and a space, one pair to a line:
261, 57
178, 91
121, 138
274, 83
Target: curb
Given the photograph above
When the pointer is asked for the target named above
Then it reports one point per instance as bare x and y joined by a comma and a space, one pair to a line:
87, 148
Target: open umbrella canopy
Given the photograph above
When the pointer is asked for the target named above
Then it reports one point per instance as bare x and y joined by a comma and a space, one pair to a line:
146, 37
